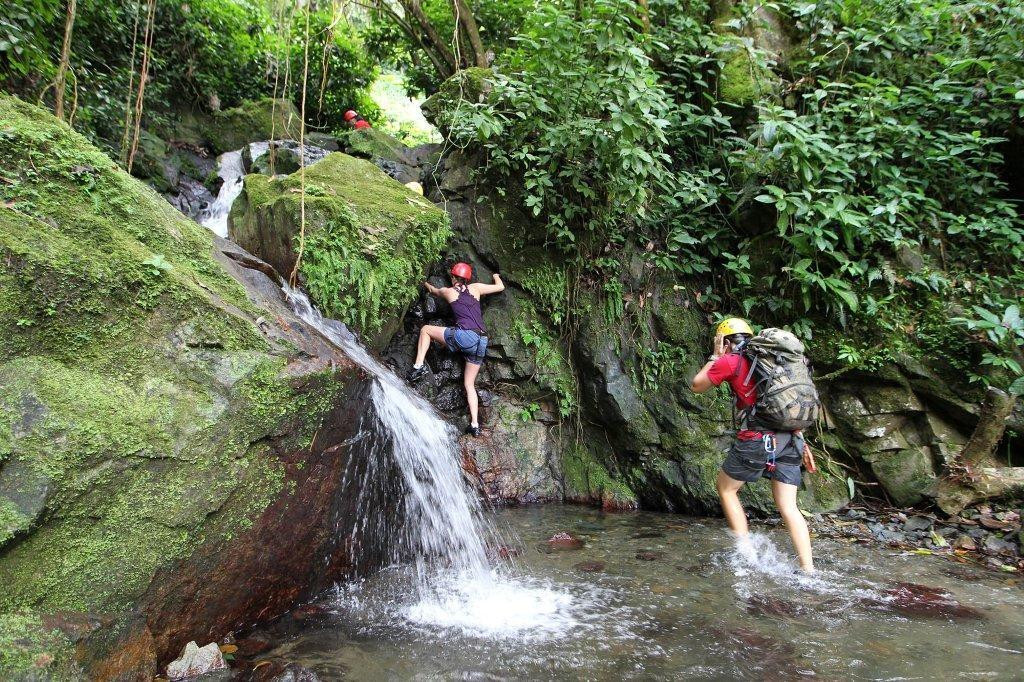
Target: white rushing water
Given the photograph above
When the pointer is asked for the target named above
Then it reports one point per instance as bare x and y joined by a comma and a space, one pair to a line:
229, 168
440, 527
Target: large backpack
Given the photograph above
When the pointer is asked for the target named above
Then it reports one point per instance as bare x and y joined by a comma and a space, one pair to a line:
786, 397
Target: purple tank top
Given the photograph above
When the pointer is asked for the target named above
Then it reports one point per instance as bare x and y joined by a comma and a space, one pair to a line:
467, 312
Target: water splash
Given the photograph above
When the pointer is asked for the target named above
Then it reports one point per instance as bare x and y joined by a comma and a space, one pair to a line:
439, 527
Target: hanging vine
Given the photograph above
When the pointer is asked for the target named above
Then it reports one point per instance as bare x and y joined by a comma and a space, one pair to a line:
65, 59
292, 279
147, 48
131, 90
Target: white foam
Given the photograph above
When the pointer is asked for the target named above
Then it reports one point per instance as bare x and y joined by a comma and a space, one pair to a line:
497, 608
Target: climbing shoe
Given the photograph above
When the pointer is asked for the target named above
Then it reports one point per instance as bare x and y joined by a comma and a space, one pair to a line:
473, 430
416, 373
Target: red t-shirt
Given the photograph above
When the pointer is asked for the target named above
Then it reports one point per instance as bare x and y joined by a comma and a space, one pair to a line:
360, 124
734, 368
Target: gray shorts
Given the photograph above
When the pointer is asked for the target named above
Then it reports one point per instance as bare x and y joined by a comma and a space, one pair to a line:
748, 460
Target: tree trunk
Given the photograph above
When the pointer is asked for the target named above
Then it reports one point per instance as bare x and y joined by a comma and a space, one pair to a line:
65, 59
469, 25
413, 8
976, 475
645, 15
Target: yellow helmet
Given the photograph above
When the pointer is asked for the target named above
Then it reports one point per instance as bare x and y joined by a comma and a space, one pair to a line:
733, 325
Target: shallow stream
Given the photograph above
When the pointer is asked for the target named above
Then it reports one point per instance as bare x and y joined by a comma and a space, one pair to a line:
660, 596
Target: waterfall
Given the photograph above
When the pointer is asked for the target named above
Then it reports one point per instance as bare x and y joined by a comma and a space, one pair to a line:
230, 170
441, 521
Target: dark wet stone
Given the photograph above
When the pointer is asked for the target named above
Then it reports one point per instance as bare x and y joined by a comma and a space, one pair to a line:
590, 566
279, 671
648, 534
913, 599
996, 545
250, 647
919, 523
564, 541
764, 605
645, 555
309, 612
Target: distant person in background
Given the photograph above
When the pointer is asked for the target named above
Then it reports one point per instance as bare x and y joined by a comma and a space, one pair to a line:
466, 338
355, 120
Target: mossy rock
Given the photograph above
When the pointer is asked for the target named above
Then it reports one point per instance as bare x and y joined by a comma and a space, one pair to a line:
256, 120
146, 401
372, 143
368, 239
469, 86
587, 481
31, 651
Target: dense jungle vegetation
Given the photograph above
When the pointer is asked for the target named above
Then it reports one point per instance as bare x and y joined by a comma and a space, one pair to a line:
848, 166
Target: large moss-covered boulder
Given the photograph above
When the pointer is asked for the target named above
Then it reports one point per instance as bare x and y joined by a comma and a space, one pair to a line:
455, 96
366, 243
263, 119
168, 428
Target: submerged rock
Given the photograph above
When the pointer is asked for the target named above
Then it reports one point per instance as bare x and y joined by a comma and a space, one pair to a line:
564, 541
921, 600
590, 566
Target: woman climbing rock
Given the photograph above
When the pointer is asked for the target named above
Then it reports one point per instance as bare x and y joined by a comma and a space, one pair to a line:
467, 337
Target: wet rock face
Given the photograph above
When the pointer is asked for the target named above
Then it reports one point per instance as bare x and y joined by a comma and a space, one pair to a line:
905, 441
169, 432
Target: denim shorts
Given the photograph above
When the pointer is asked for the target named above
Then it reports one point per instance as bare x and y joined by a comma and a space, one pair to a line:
748, 460
466, 342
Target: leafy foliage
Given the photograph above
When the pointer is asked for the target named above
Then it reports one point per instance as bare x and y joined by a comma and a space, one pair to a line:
206, 53
865, 181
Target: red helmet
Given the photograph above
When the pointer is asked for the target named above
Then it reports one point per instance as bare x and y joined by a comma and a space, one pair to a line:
463, 270
349, 115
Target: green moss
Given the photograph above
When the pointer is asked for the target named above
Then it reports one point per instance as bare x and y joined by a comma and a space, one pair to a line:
11, 520
467, 86
552, 371
372, 143
587, 480
368, 239
137, 394
30, 651
744, 79
263, 119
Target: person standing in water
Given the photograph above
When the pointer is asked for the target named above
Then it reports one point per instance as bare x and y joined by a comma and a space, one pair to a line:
758, 451
467, 338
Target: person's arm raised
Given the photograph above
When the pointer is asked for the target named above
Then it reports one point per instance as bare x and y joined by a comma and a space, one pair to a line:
484, 289
701, 382
446, 293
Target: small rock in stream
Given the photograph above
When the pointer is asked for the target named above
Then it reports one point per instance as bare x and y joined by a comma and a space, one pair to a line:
918, 523
921, 600
762, 605
965, 542
999, 546
590, 566
564, 541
